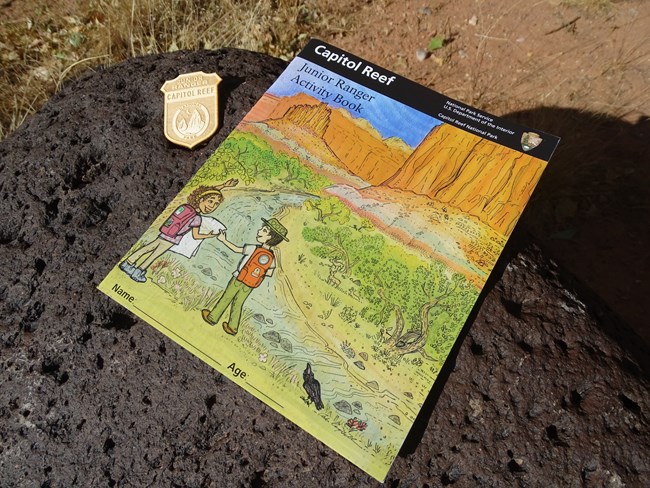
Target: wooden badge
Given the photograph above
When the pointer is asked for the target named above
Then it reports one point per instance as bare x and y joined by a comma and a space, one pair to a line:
191, 108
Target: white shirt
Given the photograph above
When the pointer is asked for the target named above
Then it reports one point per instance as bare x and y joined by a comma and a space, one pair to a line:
189, 246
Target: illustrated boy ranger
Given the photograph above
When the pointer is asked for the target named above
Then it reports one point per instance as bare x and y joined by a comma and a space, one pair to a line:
258, 262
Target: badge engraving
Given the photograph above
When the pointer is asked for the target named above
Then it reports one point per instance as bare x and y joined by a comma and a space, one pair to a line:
530, 140
191, 108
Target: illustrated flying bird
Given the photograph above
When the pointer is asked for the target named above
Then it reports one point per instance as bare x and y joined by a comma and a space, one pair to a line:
312, 387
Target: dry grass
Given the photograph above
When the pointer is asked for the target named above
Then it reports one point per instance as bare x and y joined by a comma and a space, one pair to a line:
590, 5
40, 51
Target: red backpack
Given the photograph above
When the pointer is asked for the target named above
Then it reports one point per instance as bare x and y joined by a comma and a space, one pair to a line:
254, 271
179, 221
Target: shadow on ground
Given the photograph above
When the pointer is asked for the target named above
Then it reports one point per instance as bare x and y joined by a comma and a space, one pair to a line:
591, 208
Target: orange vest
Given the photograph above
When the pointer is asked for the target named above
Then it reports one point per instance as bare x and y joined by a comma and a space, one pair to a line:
253, 272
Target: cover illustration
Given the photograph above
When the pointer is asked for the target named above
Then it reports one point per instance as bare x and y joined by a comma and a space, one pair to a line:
327, 255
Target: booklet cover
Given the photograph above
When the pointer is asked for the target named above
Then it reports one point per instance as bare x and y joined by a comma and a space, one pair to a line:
327, 255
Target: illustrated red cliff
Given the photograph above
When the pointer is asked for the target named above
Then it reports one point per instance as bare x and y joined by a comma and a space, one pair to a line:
327, 255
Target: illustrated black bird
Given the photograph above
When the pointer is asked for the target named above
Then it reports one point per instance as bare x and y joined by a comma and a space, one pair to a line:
312, 387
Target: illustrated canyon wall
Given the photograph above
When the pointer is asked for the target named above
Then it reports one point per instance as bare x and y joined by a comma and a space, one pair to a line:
475, 175
359, 148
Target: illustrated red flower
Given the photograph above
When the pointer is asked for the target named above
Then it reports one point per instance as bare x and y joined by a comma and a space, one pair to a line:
356, 424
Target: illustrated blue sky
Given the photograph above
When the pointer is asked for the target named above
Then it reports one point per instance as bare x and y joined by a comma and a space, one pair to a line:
389, 117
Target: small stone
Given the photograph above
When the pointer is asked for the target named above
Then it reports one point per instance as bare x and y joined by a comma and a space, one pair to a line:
41, 73
535, 411
272, 336
286, 344
613, 480
517, 465
451, 476
473, 20
590, 466
343, 406
373, 385
503, 433
421, 54
475, 407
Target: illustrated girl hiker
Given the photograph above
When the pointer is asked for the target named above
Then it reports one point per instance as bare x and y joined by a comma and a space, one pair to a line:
203, 200
258, 262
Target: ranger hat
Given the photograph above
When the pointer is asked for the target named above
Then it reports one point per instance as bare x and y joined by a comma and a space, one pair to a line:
277, 227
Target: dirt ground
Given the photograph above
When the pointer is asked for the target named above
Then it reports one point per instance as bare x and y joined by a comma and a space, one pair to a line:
578, 69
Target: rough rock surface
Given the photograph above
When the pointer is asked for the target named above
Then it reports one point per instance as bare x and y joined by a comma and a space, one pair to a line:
547, 389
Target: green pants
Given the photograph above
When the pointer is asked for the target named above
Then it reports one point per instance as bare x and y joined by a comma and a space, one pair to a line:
234, 295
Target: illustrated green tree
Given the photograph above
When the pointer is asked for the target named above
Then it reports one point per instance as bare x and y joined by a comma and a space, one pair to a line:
215, 168
296, 173
382, 280
428, 303
329, 209
390, 277
442, 300
250, 158
299, 176
343, 244
234, 153
333, 244
317, 182
264, 165
452, 313
365, 224
365, 248
243, 156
